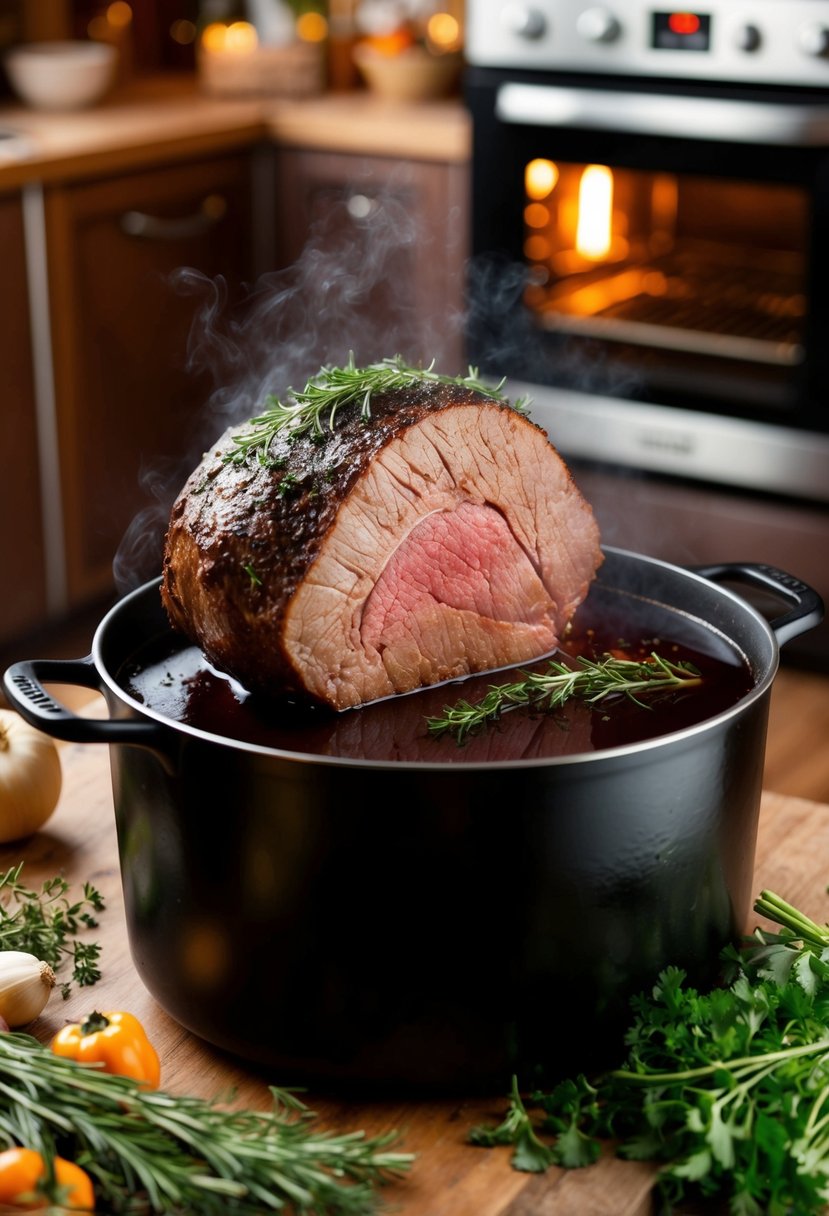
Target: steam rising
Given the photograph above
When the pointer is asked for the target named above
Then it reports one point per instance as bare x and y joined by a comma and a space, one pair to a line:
359, 285
351, 290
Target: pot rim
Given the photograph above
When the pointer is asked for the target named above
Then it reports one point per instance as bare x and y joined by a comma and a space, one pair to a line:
624, 753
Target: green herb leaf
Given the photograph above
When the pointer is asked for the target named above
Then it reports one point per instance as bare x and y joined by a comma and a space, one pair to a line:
728, 1091
310, 410
592, 682
574, 1149
46, 923
530, 1154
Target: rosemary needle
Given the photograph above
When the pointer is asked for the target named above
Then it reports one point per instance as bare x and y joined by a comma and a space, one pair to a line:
315, 407
149, 1151
592, 681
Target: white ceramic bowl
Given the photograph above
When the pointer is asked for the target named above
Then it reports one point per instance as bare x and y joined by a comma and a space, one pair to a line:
61, 75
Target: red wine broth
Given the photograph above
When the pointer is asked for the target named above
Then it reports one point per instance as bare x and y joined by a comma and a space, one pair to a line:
173, 680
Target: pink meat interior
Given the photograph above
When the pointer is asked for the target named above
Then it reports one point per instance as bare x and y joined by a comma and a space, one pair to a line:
466, 560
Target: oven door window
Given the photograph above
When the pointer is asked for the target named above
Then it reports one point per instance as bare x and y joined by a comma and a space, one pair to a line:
661, 270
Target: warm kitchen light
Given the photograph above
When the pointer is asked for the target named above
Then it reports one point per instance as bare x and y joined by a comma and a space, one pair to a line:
536, 215
593, 229
239, 37
537, 248
183, 32
664, 207
540, 177
311, 27
119, 14
443, 32
112, 23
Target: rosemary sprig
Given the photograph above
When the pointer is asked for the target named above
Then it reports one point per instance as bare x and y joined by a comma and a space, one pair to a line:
45, 923
311, 409
592, 681
149, 1151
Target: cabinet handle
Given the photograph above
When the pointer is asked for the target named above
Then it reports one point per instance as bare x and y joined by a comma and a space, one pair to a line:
213, 208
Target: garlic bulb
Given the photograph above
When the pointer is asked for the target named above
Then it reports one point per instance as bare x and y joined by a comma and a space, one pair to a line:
26, 984
30, 777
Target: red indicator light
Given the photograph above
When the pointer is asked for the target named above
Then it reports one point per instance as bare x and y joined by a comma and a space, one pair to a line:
683, 23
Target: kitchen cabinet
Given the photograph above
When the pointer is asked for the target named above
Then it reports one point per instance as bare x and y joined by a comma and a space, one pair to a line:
128, 406
23, 596
377, 248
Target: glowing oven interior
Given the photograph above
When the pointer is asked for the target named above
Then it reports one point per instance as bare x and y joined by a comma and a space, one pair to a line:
700, 266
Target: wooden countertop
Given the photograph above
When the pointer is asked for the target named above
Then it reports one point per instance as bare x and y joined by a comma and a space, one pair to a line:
168, 117
449, 1178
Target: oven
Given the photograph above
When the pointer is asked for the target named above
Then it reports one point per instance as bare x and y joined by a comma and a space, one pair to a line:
650, 241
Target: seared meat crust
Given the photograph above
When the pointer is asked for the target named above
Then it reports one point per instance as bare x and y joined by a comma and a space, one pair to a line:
270, 566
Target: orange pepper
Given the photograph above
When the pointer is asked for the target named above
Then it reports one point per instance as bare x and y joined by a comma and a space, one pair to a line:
25, 1182
115, 1039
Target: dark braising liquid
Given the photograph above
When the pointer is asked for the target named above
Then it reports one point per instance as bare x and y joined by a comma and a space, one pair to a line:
174, 680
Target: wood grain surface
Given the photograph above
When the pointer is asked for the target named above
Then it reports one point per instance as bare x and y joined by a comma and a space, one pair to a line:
449, 1178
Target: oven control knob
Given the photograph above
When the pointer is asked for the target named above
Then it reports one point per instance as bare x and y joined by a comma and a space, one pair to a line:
749, 38
598, 25
813, 39
525, 20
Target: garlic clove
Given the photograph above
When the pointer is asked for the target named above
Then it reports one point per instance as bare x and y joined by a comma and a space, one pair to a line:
26, 984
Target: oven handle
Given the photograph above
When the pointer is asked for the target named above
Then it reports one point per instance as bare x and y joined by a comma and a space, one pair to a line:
707, 118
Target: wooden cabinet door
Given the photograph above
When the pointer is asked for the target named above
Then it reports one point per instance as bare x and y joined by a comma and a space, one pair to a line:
130, 410
377, 249
22, 573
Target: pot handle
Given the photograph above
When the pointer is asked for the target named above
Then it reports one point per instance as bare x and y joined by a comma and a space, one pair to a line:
23, 684
808, 605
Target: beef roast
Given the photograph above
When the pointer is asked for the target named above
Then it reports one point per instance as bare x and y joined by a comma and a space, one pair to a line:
440, 537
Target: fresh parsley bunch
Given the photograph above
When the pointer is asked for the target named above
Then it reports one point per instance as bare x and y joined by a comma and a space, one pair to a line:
728, 1090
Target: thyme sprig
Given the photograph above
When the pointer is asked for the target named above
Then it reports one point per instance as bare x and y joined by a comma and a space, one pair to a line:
591, 681
150, 1151
312, 409
46, 923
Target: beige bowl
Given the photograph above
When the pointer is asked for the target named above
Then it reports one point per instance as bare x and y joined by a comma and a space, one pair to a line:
61, 75
410, 75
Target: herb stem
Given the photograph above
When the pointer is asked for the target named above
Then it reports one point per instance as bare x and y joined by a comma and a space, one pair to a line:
592, 681
813, 1127
776, 909
747, 1063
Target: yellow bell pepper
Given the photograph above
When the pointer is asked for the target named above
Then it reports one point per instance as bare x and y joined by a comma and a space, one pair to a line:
115, 1039
25, 1183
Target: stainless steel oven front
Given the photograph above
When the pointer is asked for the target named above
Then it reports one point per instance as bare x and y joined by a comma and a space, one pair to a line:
650, 231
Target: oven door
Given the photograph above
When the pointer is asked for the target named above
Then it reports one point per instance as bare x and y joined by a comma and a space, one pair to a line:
663, 248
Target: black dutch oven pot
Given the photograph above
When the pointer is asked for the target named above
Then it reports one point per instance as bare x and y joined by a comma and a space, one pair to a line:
425, 925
